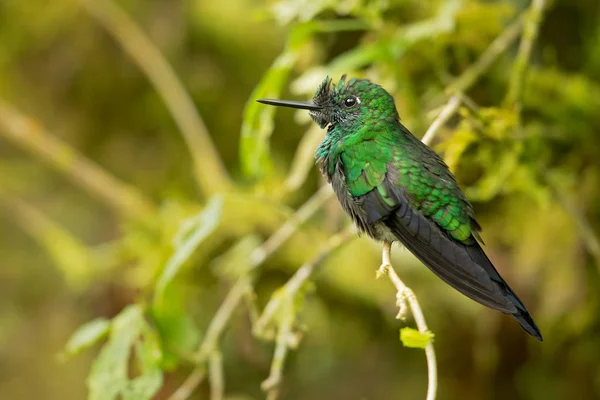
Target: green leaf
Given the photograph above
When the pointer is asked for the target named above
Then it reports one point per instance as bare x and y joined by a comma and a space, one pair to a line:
191, 233
457, 144
257, 125
177, 329
414, 339
110, 376
395, 46
86, 336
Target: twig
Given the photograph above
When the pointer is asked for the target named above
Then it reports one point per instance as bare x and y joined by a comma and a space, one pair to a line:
241, 287
70, 255
293, 285
406, 295
530, 31
271, 384
282, 302
443, 117
29, 134
211, 340
210, 173
221, 318
215, 375
191, 382
282, 234
486, 60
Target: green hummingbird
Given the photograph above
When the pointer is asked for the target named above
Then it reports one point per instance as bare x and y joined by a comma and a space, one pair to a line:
395, 188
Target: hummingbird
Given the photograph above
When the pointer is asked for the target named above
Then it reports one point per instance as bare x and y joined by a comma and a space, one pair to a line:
395, 188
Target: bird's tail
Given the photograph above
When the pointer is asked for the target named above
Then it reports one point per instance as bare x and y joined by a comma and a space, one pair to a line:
522, 315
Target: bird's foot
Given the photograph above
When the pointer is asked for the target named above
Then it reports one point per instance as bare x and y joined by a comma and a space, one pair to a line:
382, 270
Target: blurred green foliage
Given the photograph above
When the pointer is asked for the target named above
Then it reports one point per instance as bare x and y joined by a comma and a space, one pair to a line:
105, 217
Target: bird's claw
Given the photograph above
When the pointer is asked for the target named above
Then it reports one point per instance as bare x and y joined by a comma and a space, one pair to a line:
382, 270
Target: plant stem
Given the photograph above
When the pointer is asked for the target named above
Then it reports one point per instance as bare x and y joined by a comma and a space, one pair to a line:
405, 294
293, 285
283, 301
215, 375
530, 31
443, 117
29, 134
210, 173
241, 287
486, 60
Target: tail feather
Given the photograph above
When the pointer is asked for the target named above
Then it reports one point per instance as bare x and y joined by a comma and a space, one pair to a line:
463, 266
521, 314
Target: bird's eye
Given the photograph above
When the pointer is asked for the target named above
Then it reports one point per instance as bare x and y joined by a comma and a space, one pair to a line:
350, 101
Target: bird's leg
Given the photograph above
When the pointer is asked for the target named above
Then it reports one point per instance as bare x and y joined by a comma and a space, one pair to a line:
403, 291
386, 261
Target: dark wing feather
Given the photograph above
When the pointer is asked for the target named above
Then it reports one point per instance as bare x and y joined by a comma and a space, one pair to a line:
463, 266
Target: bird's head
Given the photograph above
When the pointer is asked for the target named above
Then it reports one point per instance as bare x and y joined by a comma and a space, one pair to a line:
350, 103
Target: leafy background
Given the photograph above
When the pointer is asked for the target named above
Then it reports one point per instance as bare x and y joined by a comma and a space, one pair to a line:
117, 209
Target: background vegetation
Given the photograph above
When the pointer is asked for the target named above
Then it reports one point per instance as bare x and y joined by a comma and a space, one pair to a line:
143, 189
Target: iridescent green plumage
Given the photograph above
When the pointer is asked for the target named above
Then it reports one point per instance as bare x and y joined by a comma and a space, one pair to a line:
395, 188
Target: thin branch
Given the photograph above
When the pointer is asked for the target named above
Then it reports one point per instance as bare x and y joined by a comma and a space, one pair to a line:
293, 285
190, 384
443, 117
215, 375
210, 172
530, 31
70, 255
30, 135
258, 256
218, 323
210, 343
241, 287
487, 59
282, 303
271, 384
406, 295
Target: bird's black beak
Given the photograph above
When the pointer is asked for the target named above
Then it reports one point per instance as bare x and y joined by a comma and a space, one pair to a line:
303, 105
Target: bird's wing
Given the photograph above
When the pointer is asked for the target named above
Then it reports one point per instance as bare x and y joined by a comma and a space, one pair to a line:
464, 267
419, 201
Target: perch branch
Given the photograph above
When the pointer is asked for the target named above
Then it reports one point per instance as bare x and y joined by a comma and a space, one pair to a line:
406, 295
210, 173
